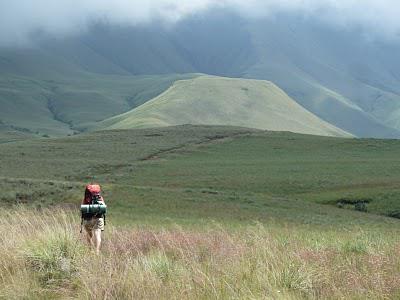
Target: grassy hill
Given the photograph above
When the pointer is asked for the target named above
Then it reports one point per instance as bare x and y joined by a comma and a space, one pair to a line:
10, 134
211, 100
203, 212
68, 104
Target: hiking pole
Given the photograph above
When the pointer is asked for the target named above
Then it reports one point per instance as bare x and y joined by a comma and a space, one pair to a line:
81, 224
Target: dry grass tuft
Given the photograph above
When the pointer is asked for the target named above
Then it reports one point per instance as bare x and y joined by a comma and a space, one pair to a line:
42, 255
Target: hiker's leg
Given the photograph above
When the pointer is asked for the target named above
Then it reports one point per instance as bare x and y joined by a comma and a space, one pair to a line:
89, 237
97, 240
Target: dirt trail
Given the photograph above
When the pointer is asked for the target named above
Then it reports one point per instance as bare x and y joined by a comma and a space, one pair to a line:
208, 140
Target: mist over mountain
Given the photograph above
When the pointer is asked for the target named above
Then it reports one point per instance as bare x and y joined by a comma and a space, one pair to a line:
22, 20
337, 68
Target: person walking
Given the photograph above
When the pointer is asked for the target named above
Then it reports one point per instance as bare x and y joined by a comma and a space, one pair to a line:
93, 210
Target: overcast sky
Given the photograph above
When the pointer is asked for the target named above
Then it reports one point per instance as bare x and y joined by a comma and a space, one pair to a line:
20, 18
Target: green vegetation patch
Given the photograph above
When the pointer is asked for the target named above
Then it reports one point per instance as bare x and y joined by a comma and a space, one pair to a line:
200, 173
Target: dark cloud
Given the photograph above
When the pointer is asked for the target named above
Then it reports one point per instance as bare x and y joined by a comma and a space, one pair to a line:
19, 19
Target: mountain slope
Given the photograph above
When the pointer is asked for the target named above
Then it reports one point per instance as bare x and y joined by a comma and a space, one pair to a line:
338, 74
64, 105
224, 101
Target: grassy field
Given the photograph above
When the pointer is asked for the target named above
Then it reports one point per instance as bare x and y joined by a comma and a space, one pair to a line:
220, 165
161, 171
43, 256
297, 167
211, 100
203, 212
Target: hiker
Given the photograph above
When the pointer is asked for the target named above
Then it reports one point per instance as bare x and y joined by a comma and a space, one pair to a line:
93, 210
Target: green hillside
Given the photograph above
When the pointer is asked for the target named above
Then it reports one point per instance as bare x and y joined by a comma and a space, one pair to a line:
10, 134
224, 101
68, 104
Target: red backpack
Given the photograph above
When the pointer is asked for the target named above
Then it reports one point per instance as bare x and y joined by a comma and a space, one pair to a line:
92, 199
92, 194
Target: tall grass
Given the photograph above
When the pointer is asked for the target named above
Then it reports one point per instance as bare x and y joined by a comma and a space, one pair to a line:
42, 255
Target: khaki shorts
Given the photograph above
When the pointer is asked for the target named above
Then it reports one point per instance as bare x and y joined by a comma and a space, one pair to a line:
93, 224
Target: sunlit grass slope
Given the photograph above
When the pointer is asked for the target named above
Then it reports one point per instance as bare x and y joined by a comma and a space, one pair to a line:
63, 105
225, 101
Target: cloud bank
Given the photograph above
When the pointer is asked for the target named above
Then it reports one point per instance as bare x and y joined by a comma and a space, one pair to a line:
21, 19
